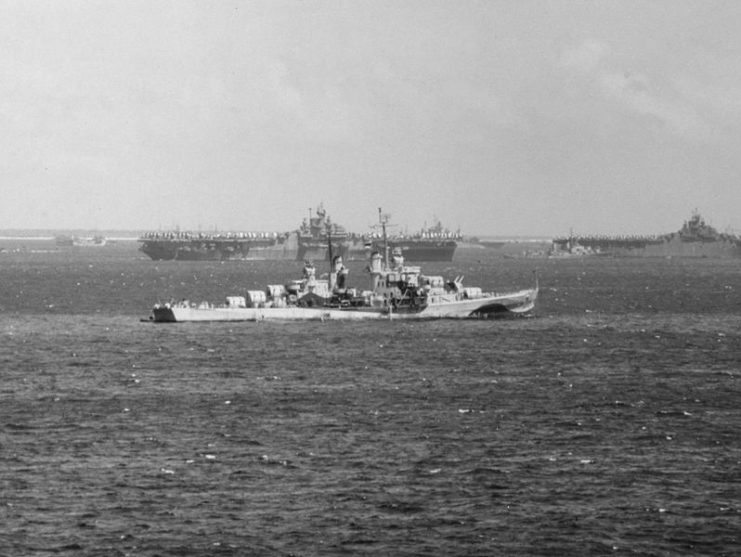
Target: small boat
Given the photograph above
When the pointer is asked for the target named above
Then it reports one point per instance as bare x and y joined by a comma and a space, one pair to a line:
395, 291
65, 240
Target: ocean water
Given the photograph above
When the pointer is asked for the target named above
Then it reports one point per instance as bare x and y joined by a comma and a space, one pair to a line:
608, 423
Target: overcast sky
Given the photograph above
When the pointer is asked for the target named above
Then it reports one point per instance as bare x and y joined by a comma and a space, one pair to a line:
499, 117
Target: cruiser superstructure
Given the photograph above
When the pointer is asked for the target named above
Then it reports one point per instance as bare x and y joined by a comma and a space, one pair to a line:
397, 291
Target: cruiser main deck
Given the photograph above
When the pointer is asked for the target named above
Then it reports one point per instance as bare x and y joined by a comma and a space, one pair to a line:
396, 291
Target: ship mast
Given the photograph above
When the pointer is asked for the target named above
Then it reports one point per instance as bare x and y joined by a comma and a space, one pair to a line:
329, 243
382, 219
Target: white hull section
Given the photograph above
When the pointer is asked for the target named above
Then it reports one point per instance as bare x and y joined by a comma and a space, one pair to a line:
441, 307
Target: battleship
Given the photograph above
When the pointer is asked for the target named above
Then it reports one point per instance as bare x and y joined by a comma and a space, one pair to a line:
696, 238
394, 291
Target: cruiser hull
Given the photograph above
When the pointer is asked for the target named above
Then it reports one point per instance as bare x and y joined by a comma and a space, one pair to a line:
514, 303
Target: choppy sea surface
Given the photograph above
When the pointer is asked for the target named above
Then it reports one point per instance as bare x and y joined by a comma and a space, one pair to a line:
608, 423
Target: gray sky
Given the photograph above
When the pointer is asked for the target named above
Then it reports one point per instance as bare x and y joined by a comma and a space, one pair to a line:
501, 117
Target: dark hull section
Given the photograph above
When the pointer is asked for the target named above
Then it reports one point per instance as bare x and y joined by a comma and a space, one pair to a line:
220, 250
191, 251
320, 252
240, 250
676, 247
672, 246
244, 250
412, 250
426, 250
